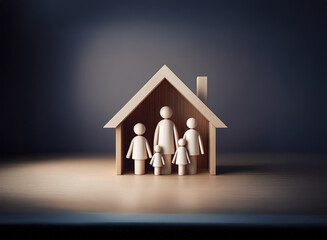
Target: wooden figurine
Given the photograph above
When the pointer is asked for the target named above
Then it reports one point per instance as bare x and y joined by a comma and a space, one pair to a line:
157, 160
164, 88
181, 157
194, 144
139, 149
166, 136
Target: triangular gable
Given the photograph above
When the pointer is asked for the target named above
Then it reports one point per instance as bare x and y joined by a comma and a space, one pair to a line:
164, 73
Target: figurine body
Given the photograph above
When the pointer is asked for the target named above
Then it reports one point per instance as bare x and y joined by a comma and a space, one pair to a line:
157, 160
181, 157
166, 136
194, 144
139, 149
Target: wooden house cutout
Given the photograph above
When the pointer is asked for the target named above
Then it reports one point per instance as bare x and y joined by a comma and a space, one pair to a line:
166, 89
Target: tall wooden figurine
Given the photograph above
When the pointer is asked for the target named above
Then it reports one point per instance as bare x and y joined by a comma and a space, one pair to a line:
157, 160
139, 149
166, 136
194, 144
181, 157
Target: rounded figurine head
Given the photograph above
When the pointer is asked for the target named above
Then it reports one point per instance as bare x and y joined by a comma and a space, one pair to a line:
181, 142
166, 112
191, 123
139, 129
157, 148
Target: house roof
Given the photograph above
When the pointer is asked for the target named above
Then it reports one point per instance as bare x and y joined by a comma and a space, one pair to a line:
162, 74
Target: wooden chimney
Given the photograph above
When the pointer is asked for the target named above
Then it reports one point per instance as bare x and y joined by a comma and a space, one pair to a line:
201, 88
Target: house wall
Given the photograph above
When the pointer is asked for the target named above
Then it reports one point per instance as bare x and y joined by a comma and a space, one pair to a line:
148, 114
119, 149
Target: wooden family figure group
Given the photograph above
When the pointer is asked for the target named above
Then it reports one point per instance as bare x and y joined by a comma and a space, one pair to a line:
165, 142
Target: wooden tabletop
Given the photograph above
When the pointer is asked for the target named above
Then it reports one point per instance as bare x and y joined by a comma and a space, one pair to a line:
245, 184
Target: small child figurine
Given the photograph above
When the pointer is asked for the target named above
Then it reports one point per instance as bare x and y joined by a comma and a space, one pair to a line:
181, 157
194, 144
157, 160
140, 148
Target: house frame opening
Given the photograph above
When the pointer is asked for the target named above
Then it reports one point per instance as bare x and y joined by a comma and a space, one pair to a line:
147, 112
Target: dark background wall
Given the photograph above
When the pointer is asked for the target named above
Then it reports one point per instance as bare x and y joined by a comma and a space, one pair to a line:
68, 66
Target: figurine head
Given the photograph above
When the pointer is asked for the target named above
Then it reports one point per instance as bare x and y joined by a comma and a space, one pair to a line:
191, 123
166, 112
139, 129
181, 142
157, 148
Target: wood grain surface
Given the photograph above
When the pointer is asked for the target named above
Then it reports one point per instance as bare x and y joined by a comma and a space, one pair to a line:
245, 184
